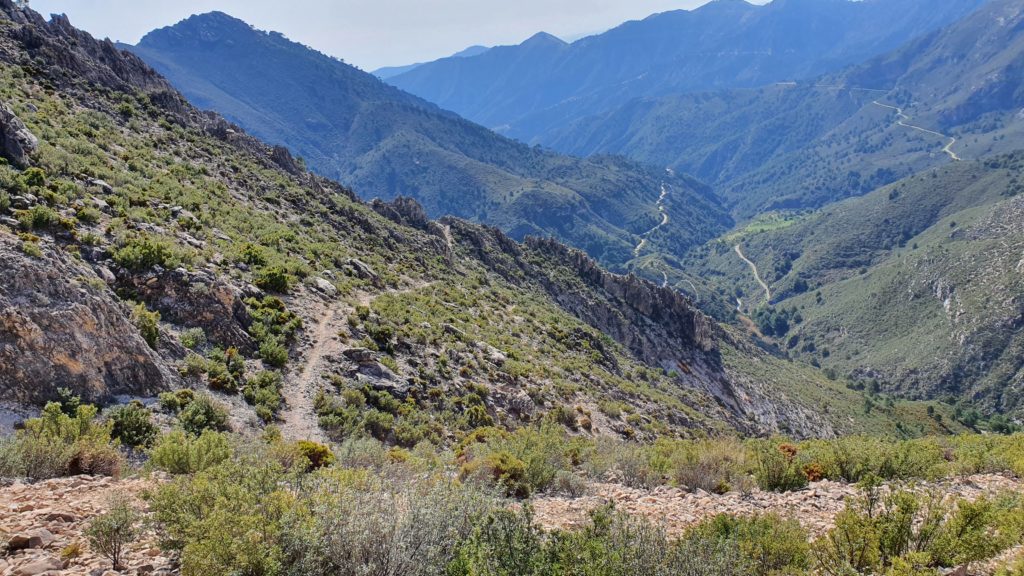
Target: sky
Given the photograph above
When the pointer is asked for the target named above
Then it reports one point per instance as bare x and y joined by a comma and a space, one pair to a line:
372, 33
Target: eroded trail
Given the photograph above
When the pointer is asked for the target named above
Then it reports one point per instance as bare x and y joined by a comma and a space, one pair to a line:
299, 421
757, 276
903, 119
664, 220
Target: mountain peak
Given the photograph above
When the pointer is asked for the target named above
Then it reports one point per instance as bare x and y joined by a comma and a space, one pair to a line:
208, 27
543, 38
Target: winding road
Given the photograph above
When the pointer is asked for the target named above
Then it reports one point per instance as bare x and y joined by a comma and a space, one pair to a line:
757, 276
903, 119
664, 220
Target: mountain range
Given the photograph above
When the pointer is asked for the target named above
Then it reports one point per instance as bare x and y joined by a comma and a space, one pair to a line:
528, 90
160, 247
385, 143
844, 134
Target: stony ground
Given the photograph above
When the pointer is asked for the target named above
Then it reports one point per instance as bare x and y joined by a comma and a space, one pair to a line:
676, 510
41, 524
41, 521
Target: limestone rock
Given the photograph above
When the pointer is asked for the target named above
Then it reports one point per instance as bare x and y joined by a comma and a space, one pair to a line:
16, 141
58, 331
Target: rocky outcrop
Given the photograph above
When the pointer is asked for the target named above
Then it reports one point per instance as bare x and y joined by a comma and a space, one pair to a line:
659, 325
195, 300
60, 327
16, 141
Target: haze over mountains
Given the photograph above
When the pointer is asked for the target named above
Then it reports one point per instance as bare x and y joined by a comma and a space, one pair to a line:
788, 107
349, 125
839, 135
528, 90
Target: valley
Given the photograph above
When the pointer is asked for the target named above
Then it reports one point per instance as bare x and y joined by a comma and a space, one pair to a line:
734, 290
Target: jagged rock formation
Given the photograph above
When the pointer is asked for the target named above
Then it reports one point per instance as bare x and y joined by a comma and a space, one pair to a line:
60, 327
195, 300
16, 141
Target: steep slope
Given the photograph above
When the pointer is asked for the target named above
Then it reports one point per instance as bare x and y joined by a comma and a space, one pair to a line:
528, 90
916, 287
385, 143
956, 93
210, 260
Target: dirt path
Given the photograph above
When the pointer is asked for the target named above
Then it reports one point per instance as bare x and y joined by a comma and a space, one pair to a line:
299, 420
664, 220
757, 276
903, 119
300, 388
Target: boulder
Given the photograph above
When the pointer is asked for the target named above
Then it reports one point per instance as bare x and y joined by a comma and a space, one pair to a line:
37, 538
40, 566
363, 270
16, 141
325, 286
195, 300
359, 355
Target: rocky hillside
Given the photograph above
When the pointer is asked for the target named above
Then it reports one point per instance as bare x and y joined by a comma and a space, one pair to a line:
385, 143
162, 247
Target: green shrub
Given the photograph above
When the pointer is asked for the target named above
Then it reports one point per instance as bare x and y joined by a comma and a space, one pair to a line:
174, 402
227, 518
771, 544
193, 338
378, 525
33, 178
201, 414
57, 444
252, 254
502, 469
264, 392
5, 201
39, 217
142, 252
274, 279
318, 455
273, 353
110, 534
896, 530
132, 425
148, 324
179, 453
88, 216
778, 469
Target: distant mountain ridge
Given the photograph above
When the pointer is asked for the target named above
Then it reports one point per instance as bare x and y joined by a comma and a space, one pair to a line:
960, 89
527, 90
385, 143
389, 71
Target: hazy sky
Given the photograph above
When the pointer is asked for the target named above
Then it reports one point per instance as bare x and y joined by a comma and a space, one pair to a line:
372, 33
